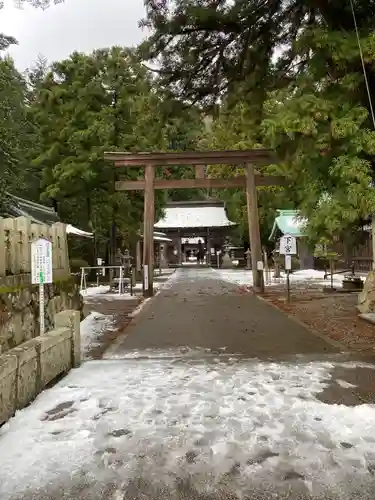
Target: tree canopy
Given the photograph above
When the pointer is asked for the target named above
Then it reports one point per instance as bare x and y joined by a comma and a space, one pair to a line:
275, 74
13, 125
81, 107
205, 48
285, 75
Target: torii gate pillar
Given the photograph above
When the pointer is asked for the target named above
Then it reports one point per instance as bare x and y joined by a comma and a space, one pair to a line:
148, 232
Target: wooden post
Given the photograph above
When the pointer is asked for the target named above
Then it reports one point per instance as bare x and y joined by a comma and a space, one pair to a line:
160, 257
179, 249
3, 249
200, 171
254, 230
208, 246
248, 258
148, 231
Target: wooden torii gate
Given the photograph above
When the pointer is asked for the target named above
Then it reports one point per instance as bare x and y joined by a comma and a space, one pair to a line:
200, 160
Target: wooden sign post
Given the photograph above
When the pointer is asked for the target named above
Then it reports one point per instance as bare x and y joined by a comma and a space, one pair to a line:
288, 247
199, 159
41, 272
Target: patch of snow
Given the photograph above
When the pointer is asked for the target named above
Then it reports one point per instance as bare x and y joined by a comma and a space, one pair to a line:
162, 420
344, 384
102, 292
238, 276
307, 276
79, 232
93, 327
93, 293
183, 352
138, 309
190, 216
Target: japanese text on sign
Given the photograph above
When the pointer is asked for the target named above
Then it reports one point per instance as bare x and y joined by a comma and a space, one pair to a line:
41, 262
288, 245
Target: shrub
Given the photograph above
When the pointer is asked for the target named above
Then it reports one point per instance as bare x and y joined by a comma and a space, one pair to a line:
76, 264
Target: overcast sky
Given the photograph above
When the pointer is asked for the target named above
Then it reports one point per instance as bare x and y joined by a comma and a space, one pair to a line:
82, 25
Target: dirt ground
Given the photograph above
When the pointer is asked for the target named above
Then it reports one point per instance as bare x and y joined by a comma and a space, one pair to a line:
332, 314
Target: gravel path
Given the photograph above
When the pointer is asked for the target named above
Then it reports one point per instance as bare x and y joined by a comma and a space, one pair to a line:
199, 310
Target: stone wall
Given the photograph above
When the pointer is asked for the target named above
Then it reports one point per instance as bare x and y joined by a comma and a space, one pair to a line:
26, 370
19, 310
366, 299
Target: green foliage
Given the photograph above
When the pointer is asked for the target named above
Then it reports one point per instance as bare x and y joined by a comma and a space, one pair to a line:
320, 127
237, 128
87, 105
76, 264
209, 48
318, 123
13, 126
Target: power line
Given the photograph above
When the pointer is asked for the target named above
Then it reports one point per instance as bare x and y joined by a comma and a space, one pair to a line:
363, 64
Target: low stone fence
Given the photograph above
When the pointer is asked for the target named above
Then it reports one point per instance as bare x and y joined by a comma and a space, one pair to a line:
27, 369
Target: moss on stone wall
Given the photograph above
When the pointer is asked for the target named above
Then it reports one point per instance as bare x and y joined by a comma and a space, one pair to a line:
67, 283
19, 309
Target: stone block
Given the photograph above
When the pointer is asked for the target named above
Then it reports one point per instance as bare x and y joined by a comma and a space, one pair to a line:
71, 320
8, 386
366, 299
55, 354
19, 311
28, 379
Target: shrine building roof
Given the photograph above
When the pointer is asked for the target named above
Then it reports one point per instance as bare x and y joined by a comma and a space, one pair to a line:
194, 214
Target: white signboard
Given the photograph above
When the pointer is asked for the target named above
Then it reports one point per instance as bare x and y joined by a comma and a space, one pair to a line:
145, 276
41, 262
99, 261
288, 262
288, 245
260, 265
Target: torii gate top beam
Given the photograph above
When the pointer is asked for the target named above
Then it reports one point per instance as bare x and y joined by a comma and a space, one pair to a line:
254, 156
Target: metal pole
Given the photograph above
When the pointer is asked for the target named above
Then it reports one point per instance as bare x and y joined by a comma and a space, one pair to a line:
160, 250
131, 275
82, 274
120, 282
41, 309
261, 280
288, 285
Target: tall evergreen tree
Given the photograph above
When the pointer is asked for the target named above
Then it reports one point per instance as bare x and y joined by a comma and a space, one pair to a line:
13, 126
89, 104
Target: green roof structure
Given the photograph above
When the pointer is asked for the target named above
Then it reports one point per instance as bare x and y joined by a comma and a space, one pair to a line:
288, 222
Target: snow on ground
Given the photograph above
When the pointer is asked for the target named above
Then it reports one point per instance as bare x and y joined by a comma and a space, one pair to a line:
240, 424
308, 276
93, 327
102, 292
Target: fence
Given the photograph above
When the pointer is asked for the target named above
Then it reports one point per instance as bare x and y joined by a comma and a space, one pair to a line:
16, 235
358, 254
